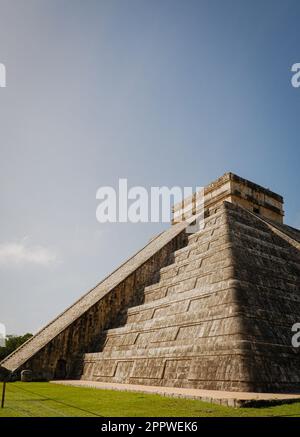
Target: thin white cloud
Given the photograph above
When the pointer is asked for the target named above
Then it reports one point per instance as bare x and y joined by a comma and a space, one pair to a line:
23, 252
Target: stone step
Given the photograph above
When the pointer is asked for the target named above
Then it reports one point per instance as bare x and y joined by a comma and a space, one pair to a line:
148, 310
244, 231
202, 344
205, 306
203, 264
186, 327
194, 281
208, 228
200, 246
205, 345
223, 293
211, 261
206, 234
214, 344
191, 251
191, 263
190, 366
247, 234
165, 365
198, 319
289, 293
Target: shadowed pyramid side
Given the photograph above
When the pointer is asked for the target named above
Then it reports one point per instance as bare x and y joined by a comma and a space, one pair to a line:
267, 272
220, 317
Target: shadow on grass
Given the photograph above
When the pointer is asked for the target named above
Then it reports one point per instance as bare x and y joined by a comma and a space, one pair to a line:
45, 398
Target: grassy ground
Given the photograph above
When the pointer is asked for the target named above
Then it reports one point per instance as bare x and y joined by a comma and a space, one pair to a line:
51, 400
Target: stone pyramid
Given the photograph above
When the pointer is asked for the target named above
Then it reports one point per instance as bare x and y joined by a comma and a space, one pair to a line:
211, 310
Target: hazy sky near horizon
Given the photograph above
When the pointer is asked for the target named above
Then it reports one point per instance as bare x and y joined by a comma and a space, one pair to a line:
161, 92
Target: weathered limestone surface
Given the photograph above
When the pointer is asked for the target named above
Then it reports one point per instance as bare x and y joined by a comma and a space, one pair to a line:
220, 316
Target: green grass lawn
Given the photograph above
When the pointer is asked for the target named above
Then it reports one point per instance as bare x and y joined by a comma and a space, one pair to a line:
51, 400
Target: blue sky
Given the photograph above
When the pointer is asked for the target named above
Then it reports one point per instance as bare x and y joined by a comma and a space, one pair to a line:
162, 92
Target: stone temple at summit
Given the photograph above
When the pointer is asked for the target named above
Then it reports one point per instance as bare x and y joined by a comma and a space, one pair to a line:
213, 309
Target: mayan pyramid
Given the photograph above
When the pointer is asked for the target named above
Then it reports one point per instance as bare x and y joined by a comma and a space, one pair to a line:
211, 310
